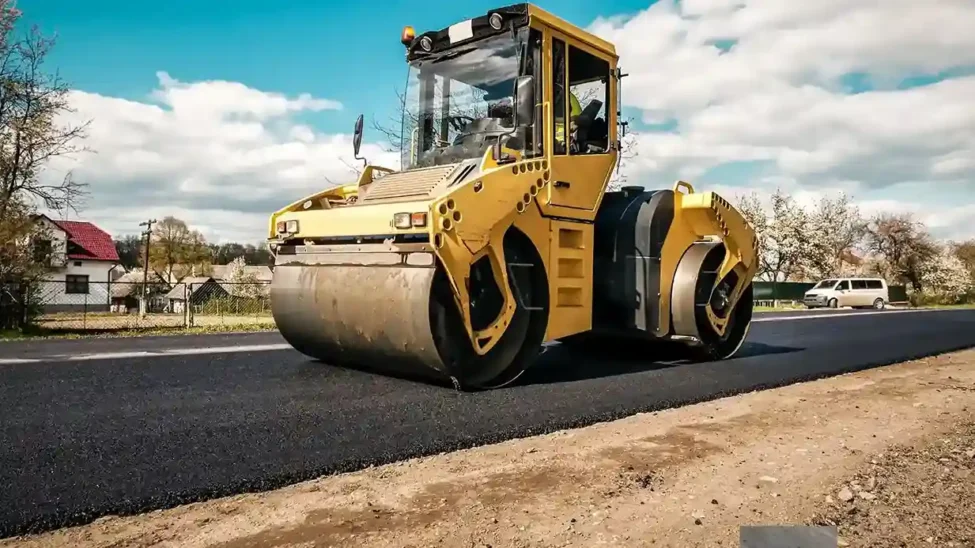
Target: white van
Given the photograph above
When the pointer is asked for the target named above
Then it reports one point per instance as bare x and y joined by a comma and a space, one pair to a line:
852, 292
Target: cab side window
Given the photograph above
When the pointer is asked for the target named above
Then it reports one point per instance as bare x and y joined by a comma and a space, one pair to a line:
844, 286
588, 103
533, 63
558, 96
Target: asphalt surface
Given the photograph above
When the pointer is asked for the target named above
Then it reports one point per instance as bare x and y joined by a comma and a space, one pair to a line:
66, 348
82, 439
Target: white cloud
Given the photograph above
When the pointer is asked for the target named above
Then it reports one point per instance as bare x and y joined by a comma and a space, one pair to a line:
220, 155
218, 99
778, 95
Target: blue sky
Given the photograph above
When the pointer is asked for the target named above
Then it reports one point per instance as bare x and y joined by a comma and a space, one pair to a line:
813, 98
114, 47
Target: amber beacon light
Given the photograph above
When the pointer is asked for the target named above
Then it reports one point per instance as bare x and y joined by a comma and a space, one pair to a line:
408, 35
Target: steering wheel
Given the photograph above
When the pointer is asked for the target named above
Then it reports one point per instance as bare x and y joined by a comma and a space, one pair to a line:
458, 122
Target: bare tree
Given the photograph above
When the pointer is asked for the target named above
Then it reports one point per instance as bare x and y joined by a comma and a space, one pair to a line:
21, 259
176, 251
31, 104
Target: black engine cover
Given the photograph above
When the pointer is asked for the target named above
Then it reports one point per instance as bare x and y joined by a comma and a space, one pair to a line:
631, 226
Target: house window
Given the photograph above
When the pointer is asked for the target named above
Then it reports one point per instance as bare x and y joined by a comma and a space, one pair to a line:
76, 283
77, 263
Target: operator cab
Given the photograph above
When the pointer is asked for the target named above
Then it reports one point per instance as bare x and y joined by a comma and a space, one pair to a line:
460, 96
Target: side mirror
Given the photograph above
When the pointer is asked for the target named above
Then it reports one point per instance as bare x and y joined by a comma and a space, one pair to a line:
357, 137
524, 101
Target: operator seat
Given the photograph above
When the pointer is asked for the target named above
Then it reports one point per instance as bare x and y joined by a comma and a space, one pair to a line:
584, 122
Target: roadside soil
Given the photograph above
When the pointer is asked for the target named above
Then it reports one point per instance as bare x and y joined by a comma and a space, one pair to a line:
887, 456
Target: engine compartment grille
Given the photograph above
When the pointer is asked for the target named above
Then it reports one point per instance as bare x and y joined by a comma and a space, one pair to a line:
409, 184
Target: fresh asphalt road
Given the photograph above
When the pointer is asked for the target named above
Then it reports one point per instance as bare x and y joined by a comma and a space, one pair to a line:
94, 427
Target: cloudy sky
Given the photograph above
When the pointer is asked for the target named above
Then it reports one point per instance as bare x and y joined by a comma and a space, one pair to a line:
219, 113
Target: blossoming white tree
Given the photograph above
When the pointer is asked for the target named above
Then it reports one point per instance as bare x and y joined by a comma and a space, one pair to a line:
242, 283
783, 234
946, 277
835, 228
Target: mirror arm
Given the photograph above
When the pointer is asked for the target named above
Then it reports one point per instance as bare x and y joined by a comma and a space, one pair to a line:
357, 141
514, 128
515, 118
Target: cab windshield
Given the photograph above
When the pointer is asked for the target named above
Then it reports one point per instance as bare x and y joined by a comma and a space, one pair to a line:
458, 103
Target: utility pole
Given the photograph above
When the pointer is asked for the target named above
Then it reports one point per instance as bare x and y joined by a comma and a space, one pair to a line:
145, 267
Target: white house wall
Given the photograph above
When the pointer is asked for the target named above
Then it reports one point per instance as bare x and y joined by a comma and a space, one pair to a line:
52, 291
59, 240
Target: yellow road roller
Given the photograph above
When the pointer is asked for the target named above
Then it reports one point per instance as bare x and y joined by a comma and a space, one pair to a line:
497, 233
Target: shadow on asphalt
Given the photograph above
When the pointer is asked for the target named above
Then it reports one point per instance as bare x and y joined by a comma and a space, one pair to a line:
561, 363
558, 363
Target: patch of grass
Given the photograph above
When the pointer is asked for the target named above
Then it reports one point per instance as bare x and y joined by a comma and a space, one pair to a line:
44, 334
12, 335
960, 306
780, 308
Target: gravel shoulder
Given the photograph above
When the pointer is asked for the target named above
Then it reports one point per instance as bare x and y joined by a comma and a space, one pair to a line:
886, 455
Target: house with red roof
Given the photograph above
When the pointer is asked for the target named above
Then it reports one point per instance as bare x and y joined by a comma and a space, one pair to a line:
81, 259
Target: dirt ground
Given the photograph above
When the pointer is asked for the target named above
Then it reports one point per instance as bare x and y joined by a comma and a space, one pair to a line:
885, 455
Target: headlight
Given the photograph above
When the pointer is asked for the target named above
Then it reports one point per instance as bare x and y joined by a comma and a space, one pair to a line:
495, 21
407, 220
292, 227
401, 220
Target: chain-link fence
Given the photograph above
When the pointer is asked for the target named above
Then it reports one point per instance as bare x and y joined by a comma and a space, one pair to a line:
78, 304
227, 303
13, 313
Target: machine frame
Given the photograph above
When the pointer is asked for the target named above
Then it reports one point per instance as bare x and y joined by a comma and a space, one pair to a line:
536, 226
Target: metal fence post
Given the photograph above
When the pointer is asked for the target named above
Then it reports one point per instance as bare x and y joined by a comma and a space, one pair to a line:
186, 304
24, 309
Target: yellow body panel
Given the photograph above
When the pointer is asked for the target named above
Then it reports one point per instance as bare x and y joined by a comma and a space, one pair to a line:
586, 177
696, 216
369, 220
570, 278
707, 213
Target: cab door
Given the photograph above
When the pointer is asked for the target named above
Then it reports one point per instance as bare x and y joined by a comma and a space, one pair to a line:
583, 121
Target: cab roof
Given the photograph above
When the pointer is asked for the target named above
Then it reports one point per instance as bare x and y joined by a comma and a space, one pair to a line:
520, 14
567, 28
